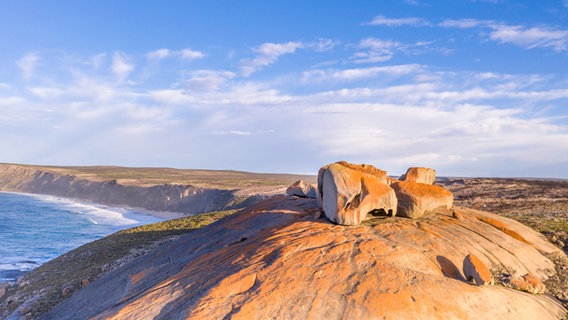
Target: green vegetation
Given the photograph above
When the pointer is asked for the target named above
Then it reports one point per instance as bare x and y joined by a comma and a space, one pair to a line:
90, 261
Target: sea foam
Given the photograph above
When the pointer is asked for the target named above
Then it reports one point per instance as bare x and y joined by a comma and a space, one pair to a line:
37, 228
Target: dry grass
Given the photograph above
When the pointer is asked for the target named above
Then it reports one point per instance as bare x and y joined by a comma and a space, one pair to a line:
219, 179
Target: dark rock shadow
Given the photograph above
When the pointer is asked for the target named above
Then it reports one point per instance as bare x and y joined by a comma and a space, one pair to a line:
449, 269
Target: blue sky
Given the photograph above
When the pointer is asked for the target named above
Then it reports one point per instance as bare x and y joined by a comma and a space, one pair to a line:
470, 88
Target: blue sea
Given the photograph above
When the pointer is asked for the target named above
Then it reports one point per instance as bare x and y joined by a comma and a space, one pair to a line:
35, 228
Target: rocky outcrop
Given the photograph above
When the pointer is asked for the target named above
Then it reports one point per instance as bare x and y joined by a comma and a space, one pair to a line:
415, 199
420, 175
349, 192
301, 189
275, 261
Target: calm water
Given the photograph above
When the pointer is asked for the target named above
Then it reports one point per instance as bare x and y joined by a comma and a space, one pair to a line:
35, 229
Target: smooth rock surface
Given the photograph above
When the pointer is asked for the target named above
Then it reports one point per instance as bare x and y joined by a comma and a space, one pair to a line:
414, 199
274, 261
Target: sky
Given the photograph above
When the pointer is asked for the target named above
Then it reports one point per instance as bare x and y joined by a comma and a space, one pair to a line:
467, 87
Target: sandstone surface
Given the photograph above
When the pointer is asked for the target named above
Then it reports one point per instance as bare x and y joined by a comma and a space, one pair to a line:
419, 174
349, 192
273, 260
414, 198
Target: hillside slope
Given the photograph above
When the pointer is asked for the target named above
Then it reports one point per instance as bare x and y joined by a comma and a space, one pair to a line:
276, 260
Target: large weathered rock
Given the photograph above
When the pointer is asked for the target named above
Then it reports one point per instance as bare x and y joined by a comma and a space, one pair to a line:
475, 270
420, 175
349, 192
274, 261
414, 199
366, 168
301, 189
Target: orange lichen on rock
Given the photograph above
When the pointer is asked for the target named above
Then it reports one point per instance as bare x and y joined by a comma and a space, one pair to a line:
475, 270
420, 175
414, 199
348, 192
502, 227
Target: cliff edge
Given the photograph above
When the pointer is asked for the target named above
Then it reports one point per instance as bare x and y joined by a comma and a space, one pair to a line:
156, 189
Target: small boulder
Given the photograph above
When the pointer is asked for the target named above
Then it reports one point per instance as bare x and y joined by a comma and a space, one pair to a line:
301, 189
528, 283
475, 270
457, 215
348, 192
66, 290
420, 175
414, 199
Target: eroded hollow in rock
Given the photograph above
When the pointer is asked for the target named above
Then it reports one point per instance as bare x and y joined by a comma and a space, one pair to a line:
378, 213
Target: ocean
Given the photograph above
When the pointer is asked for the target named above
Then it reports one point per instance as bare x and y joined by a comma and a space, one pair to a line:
35, 228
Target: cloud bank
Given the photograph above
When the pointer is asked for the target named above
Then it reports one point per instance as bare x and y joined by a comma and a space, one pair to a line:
355, 101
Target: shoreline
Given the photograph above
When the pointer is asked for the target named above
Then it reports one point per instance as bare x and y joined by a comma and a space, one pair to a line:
125, 210
11, 272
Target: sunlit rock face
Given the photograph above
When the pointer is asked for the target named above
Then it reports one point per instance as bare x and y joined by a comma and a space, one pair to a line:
415, 199
420, 175
349, 192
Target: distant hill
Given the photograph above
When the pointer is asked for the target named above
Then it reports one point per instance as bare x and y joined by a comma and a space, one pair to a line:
159, 189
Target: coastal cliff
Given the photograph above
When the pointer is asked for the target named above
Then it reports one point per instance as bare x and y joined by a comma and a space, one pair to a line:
99, 185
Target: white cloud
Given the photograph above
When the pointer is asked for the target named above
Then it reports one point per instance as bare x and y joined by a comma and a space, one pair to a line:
188, 54
463, 23
10, 101
27, 64
393, 116
530, 37
267, 54
377, 50
384, 21
356, 74
46, 93
208, 80
233, 132
323, 45
97, 60
522, 36
158, 54
121, 66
